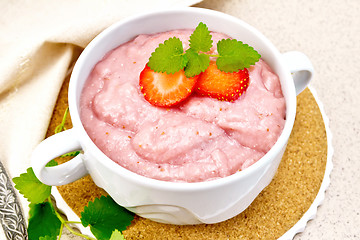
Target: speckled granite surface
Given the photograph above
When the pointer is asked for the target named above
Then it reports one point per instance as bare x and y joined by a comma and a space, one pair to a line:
329, 33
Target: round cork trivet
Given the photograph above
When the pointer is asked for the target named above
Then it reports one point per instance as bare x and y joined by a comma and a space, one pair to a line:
277, 208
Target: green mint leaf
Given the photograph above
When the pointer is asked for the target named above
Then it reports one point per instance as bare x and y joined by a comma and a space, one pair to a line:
52, 163
200, 39
168, 57
197, 63
235, 55
104, 216
32, 189
117, 235
61, 126
43, 222
47, 238
71, 154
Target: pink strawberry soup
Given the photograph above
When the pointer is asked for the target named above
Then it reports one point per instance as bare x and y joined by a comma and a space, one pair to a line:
202, 139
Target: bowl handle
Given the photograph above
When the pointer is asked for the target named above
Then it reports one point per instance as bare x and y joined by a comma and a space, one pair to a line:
52, 147
300, 67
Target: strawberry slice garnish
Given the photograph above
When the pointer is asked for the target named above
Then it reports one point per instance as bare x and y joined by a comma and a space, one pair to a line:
165, 90
222, 85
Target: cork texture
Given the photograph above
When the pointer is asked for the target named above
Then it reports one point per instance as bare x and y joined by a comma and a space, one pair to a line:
277, 208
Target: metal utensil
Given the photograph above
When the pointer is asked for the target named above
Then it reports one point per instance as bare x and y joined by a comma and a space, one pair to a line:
11, 216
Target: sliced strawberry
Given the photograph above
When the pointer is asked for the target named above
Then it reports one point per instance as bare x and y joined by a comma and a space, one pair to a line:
221, 85
165, 90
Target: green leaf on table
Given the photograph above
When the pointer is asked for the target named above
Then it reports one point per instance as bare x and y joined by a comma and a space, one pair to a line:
61, 126
43, 221
200, 39
71, 154
47, 238
32, 189
52, 163
235, 55
169, 57
103, 216
117, 235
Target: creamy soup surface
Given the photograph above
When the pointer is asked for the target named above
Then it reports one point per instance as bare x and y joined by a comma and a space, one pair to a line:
202, 139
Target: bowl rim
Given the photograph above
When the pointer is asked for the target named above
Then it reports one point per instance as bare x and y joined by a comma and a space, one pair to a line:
86, 142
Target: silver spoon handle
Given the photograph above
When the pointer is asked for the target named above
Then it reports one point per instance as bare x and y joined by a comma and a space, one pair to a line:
11, 216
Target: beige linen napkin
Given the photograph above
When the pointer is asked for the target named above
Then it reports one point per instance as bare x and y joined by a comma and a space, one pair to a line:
37, 41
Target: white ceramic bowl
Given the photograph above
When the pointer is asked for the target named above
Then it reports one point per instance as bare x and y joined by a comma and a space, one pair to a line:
169, 202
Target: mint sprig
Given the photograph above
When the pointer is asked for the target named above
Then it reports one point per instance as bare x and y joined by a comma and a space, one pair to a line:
45, 221
197, 63
169, 57
32, 189
116, 235
233, 55
200, 39
59, 128
200, 42
104, 216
